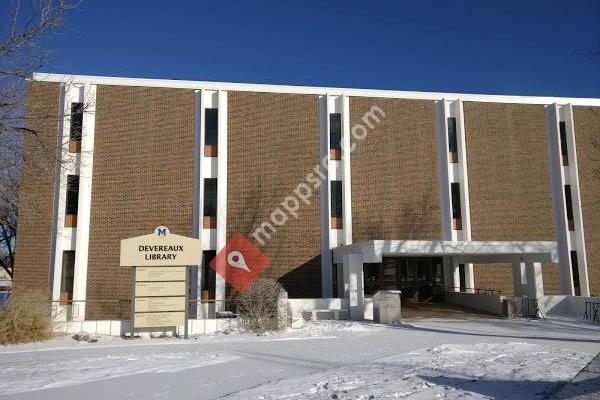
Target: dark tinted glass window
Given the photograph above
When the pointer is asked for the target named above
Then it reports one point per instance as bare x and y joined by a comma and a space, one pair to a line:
211, 126
72, 194
462, 277
568, 202
575, 268
335, 131
208, 274
210, 197
336, 199
563, 139
76, 120
68, 271
452, 143
456, 213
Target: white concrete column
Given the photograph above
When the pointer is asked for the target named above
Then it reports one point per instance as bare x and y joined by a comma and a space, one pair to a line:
346, 278
347, 175
463, 175
451, 274
562, 175
577, 243
64, 238
84, 202
453, 172
469, 278
535, 282
455, 276
197, 217
353, 263
326, 273
221, 194
519, 279
444, 169
557, 180
341, 281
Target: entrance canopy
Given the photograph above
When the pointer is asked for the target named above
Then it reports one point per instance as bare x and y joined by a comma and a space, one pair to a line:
373, 251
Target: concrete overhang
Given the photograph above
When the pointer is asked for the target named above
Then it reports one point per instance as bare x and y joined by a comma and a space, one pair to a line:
373, 251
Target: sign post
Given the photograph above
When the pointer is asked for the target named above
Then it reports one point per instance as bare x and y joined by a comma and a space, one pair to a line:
160, 278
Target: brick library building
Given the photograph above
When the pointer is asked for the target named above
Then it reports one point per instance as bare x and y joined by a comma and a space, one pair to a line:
347, 191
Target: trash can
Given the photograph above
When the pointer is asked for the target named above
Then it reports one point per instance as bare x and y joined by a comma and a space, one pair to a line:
509, 308
387, 306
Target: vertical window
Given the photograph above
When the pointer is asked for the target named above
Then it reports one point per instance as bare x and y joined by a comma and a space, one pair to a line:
72, 194
569, 207
456, 211
68, 272
334, 280
563, 143
336, 203
76, 121
208, 276
335, 136
452, 142
462, 278
72, 201
210, 203
211, 131
575, 270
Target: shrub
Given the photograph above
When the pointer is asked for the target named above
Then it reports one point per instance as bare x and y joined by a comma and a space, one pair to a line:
258, 306
25, 317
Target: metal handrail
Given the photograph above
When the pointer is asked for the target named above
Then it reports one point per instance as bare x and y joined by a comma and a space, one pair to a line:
592, 312
476, 290
73, 309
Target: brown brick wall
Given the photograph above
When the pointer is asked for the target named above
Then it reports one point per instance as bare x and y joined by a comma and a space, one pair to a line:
395, 177
273, 144
509, 181
36, 201
587, 136
142, 178
499, 277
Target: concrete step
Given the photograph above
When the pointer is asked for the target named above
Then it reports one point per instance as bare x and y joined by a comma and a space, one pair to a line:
315, 315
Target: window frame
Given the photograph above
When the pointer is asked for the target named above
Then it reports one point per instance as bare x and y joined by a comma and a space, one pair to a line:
455, 199
72, 195
67, 281
76, 126
209, 207
335, 137
337, 193
452, 135
211, 133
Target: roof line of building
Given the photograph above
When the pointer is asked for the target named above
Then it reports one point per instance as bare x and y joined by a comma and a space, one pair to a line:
316, 90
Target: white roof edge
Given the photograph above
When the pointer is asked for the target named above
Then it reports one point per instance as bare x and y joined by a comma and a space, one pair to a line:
186, 84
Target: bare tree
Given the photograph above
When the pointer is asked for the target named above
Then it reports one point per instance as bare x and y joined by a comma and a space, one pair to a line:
21, 53
9, 186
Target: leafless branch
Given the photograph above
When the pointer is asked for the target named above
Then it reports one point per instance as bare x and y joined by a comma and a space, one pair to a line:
22, 52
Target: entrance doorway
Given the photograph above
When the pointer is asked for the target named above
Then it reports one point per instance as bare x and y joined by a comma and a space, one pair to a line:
419, 278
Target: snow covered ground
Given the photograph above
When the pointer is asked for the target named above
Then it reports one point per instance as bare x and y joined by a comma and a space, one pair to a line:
477, 371
476, 358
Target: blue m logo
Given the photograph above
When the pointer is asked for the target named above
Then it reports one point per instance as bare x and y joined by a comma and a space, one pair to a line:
161, 231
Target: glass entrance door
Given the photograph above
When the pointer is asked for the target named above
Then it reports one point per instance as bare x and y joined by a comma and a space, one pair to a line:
419, 278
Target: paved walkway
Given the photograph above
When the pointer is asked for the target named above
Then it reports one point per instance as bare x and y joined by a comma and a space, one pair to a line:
585, 385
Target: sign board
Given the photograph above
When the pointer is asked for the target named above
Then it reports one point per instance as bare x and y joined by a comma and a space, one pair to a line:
156, 319
159, 289
159, 304
150, 274
160, 248
159, 262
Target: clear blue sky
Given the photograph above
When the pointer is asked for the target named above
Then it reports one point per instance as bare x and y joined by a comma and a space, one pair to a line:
504, 47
